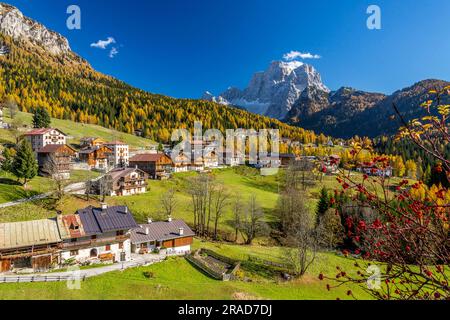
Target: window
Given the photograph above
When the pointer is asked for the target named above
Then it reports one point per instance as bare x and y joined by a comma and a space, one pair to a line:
108, 247
73, 240
120, 245
120, 233
73, 253
94, 237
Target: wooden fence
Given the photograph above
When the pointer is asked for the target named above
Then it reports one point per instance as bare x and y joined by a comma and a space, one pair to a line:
226, 276
40, 278
268, 262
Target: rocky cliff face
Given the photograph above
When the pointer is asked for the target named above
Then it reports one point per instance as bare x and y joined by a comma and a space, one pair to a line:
274, 91
15, 25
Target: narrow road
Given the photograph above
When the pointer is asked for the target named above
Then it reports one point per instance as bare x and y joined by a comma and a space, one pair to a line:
77, 188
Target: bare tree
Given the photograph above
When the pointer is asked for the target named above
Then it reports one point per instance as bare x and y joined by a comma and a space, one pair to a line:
52, 167
237, 208
200, 191
220, 199
105, 186
14, 129
330, 230
168, 202
11, 104
252, 224
89, 186
297, 226
300, 175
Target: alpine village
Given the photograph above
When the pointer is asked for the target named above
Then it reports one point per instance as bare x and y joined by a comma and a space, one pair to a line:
91, 180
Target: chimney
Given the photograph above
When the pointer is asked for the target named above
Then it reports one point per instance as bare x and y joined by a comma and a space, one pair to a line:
181, 231
104, 206
149, 220
147, 231
169, 219
126, 209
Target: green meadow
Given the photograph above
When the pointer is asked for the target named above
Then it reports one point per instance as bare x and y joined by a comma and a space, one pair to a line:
166, 283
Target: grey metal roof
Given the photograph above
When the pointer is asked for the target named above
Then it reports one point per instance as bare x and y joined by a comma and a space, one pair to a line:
97, 220
161, 230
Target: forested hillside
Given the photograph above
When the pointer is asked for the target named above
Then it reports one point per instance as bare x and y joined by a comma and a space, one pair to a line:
70, 89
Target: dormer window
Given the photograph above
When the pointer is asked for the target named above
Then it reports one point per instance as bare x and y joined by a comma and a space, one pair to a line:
74, 226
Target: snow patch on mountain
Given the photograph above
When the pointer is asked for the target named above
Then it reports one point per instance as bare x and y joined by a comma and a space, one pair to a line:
273, 92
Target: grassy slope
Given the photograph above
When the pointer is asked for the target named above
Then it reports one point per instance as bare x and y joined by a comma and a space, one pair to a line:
79, 130
11, 190
167, 283
264, 188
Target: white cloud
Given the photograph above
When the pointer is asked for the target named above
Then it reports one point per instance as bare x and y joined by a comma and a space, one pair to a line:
113, 52
103, 44
300, 55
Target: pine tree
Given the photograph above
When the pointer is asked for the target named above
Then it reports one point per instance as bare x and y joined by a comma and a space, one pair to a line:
24, 165
41, 118
323, 205
8, 155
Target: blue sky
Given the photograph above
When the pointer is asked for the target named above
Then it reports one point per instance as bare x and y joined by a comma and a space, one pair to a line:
182, 48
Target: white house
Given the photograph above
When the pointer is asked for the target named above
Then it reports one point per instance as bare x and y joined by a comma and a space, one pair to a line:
97, 235
39, 138
120, 153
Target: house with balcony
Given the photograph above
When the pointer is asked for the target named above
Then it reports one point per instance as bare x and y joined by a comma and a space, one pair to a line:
120, 154
371, 169
88, 142
233, 159
39, 138
181, 162
126, 181
174, 236
96, 157
97, 235
156, 165
211, 158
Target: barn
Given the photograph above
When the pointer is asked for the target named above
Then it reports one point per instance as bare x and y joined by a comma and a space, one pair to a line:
32, 245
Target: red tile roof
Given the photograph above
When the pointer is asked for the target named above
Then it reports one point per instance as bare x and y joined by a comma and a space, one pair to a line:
51, 148
38, 132
148, 157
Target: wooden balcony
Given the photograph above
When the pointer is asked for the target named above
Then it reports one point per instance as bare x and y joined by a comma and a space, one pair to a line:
93, 242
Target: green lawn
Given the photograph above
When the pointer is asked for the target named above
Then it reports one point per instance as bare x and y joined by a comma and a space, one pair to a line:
77, 131
178, 279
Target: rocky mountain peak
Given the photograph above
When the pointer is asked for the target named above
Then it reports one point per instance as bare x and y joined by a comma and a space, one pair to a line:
15, 25
274, 91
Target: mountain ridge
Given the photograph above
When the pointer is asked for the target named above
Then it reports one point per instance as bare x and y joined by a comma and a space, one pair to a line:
343, 113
